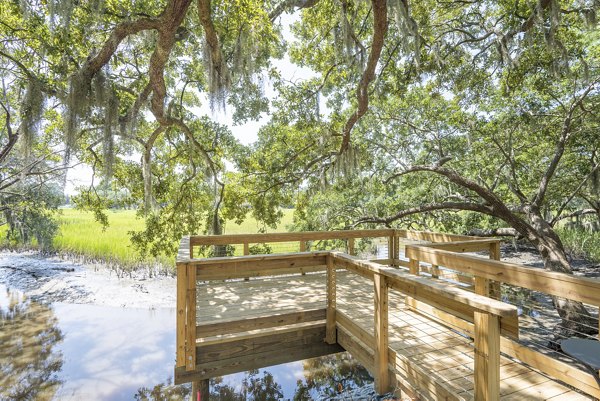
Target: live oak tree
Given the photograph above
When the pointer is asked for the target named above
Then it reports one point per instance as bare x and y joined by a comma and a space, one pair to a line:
124, 80
478, 107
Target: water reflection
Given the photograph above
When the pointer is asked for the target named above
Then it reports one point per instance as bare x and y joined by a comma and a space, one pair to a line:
318, 379
72, 352
330, 375
29, 359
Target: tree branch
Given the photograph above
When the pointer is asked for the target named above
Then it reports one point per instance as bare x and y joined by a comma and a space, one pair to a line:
12, 136
380, 26
474, 207
560, 147
287, 5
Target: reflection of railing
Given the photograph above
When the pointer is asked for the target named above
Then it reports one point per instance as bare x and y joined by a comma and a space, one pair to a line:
426, 274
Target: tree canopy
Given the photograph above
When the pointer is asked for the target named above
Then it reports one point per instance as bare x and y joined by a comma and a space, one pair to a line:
415, 108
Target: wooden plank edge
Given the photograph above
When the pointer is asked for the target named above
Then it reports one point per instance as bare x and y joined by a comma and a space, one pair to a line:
245, 335
260, 322
255, 361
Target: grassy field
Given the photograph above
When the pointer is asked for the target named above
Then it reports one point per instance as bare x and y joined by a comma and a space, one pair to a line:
82, 235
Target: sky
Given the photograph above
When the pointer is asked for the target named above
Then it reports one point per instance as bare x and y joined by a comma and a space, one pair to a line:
246, 133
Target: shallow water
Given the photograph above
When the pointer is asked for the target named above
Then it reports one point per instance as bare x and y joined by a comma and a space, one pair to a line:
78, 351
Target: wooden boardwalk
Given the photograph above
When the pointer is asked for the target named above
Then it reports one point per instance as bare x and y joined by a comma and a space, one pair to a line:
423, 351
406, 321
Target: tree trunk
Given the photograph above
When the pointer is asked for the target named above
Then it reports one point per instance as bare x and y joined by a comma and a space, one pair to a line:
216, 223
149, 201
576, 320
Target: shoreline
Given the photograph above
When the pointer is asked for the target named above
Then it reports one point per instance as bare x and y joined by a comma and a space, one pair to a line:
73, 279
49, 279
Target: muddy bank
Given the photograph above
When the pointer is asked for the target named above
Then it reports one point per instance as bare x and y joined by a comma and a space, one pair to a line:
50, 280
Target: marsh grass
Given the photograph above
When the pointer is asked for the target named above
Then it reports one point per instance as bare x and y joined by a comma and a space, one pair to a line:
581, 243
80, 236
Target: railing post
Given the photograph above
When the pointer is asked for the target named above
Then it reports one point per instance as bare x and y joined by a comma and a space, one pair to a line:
391, 249
190, 329
487, 356
382, 378
330, 330
413, 266
482, 286
350, 246
435, 271
246, 252
181, 315
396, 249
302, 246
494, 286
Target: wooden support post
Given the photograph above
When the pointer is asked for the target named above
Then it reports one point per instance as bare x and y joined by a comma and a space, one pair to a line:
413, 266
435, 271
495, 251
303, 249
396, 250
200, 390
190, 324
191, 250
494, 286
350, 246
391, 249
181, 313
330, 330
482, 286
246, 252
382, 376
487, 356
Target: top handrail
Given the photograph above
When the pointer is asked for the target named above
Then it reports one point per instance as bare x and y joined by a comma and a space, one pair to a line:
289, 236
410, 284
188, 242
583, 289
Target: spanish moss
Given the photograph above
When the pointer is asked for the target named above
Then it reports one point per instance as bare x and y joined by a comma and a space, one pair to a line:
110, 123
32, 109
218, 80
408, 28
77, 105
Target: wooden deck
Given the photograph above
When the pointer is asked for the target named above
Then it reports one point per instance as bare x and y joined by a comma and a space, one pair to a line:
427, 327
424, 351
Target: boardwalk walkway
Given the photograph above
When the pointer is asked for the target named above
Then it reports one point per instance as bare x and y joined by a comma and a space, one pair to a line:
443, 357
428, 324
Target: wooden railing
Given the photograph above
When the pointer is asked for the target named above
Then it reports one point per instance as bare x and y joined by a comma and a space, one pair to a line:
392, 236
489, 318
581, 289
492, 324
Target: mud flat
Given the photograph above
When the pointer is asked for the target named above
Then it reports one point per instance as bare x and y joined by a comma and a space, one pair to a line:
50, 279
